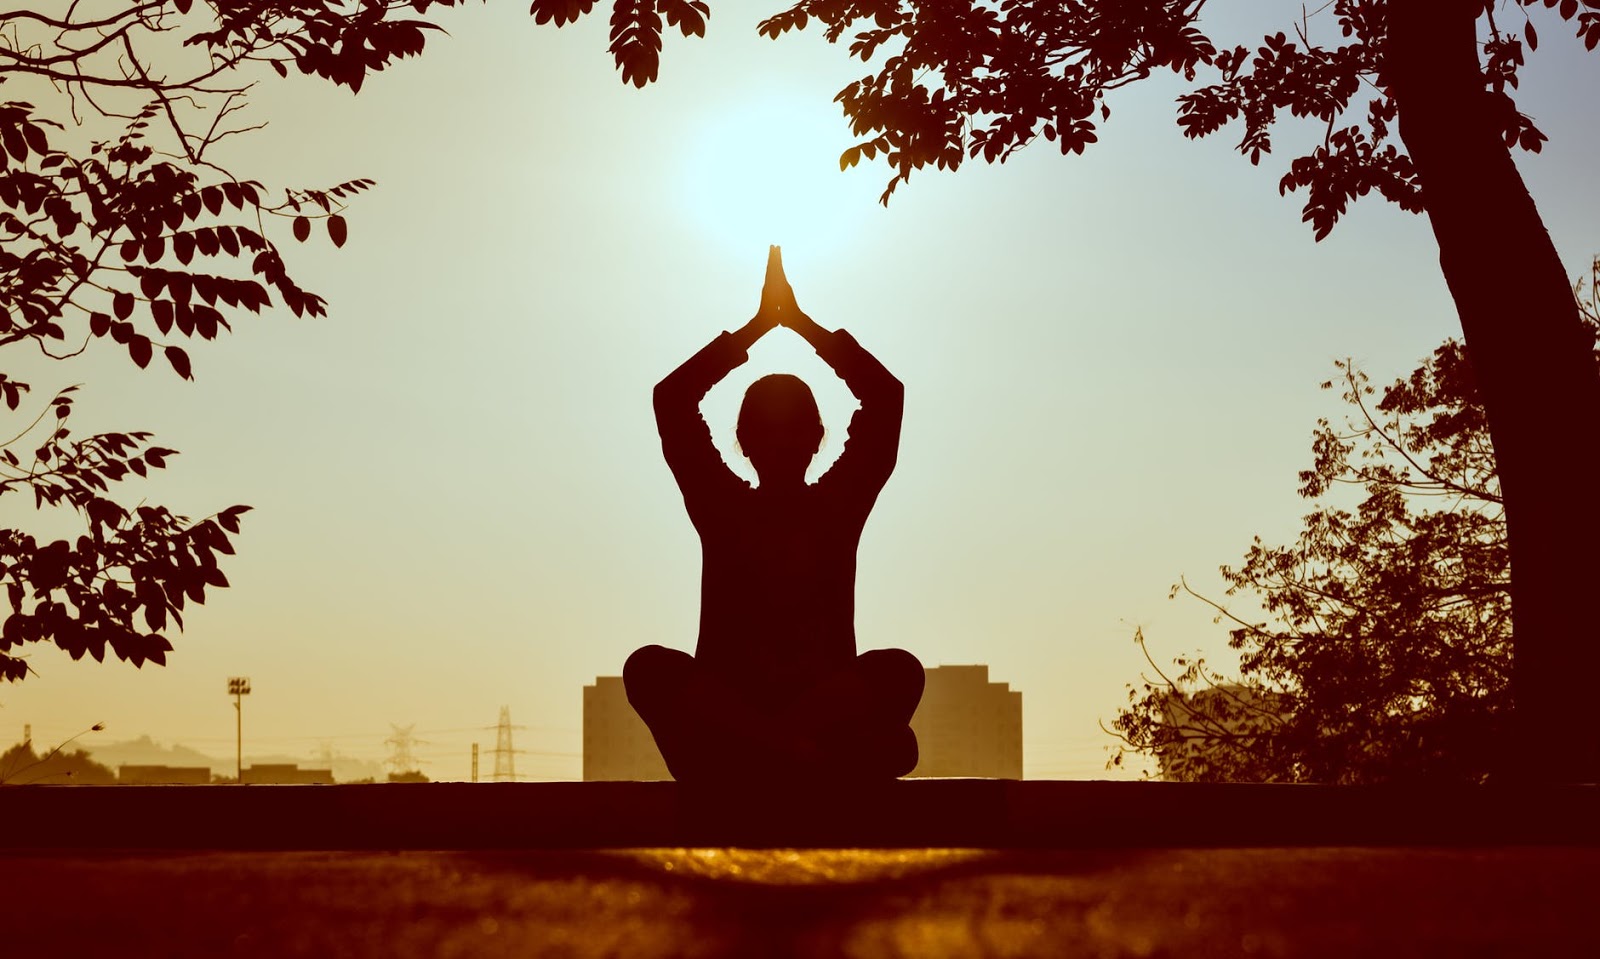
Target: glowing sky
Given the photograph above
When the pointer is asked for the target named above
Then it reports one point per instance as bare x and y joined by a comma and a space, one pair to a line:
1111, 364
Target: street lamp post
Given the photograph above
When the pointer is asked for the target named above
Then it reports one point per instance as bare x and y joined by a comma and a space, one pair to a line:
238, 687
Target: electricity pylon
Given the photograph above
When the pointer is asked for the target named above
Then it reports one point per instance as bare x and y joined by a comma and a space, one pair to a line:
505, 762
401, 759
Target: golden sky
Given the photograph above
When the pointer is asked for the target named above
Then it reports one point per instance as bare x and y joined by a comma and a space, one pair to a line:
1111, 366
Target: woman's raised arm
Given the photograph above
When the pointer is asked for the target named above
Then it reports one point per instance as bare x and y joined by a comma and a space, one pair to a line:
685, 439
873, 442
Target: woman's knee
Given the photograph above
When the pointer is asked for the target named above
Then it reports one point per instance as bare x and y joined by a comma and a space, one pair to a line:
902, 754
651, 672
896, 673
882, 752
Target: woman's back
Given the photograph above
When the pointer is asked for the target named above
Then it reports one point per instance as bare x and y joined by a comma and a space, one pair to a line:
777, 586
775, 686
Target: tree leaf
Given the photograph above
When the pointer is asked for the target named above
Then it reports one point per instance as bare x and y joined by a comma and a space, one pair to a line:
35, 139
337, 231
139, 349
178, 287
180, 364
11, 139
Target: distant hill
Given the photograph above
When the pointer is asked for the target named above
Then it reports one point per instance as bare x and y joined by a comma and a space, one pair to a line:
145, 751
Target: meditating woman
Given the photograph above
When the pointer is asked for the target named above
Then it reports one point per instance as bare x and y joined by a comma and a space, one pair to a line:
775, 688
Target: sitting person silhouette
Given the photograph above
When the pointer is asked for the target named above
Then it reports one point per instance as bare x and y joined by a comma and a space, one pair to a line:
775, 688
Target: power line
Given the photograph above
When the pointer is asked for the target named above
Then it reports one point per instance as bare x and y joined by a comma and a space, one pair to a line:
374, 735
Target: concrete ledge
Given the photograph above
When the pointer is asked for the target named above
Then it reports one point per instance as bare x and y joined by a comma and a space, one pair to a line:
904, 813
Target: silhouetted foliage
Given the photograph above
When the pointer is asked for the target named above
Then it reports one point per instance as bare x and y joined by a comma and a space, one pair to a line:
120, 226
968, 80
21, 765
127, 232
1388, 654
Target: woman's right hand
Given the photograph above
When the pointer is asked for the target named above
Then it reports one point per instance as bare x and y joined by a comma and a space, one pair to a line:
770, 313
777, 298
779, 293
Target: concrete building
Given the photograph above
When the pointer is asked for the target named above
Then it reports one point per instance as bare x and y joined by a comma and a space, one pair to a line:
163, 775
616, 742
966, 726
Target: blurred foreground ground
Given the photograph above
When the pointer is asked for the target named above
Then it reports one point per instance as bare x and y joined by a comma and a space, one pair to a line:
1333, 902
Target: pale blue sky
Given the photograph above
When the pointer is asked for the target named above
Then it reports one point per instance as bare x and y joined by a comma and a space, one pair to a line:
1111, 365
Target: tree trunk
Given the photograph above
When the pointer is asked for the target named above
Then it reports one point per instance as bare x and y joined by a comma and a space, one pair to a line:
1535, 367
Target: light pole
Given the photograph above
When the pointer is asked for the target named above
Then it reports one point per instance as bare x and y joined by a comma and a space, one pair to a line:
238, 687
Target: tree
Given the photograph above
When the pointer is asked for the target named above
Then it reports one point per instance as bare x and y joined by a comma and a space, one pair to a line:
137, 236
21, 765
969, 79
1389, 651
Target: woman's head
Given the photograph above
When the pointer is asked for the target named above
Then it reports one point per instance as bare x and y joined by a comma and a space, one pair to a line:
780, 427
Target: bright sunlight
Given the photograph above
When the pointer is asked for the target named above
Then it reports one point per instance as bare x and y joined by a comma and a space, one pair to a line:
766, 170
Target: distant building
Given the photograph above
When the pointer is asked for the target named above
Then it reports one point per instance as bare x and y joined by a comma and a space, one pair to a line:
965, 725
968, 726
616, 742
286, 774
134, 775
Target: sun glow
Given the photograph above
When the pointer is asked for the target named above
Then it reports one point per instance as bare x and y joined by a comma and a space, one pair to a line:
766, 170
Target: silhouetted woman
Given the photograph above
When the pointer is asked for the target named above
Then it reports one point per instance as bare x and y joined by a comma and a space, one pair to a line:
775, 687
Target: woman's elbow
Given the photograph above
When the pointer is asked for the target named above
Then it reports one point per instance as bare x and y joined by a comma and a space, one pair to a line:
664, 395
893, 391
